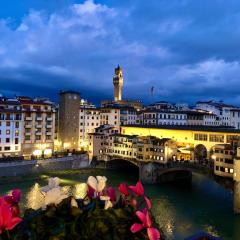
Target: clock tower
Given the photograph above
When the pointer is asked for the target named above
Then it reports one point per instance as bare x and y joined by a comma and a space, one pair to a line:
118, 84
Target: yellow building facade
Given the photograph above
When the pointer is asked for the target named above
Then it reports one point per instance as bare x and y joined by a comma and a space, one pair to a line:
189, 138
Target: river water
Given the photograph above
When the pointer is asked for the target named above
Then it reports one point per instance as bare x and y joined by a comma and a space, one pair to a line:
179, 210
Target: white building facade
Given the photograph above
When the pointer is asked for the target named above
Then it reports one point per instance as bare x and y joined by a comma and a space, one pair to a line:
11, 123
227, 115
89, 119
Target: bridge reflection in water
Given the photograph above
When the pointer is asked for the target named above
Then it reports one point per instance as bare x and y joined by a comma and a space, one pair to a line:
177, 172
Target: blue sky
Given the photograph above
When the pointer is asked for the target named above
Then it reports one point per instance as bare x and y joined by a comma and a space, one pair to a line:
188, 50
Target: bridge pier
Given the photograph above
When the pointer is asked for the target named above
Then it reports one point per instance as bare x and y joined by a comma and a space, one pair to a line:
147, 173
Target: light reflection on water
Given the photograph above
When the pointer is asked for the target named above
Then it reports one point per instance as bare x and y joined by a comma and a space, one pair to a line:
180, 211
34, 197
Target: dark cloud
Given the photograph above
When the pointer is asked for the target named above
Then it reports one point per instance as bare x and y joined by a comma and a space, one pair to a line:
188, 50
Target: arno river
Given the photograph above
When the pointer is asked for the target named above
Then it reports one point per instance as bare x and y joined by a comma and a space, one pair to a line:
179, 210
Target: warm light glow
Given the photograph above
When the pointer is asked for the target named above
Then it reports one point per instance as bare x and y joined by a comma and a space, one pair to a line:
214, 157
37, 152
66, 145
47, 151
57, 143
83, 144
187, 146
35, 199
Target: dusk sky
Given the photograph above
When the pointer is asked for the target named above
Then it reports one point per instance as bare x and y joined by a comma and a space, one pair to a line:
188, 50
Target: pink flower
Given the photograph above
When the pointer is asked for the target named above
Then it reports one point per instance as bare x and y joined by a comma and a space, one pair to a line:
7, 220
112, 194
14, 198
90, 192
123, 189
139, 191
13, 201
153, 233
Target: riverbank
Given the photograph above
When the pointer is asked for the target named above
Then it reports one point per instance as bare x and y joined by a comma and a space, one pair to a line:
30, 167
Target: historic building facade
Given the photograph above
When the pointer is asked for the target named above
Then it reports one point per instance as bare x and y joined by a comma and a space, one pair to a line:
11, 125
38, 131
118, 84
69, 120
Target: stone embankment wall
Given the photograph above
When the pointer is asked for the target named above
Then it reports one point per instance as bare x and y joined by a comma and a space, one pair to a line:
43, 165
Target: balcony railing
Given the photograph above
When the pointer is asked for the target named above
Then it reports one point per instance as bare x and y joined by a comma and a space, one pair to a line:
28, 126
28, 118
38, 118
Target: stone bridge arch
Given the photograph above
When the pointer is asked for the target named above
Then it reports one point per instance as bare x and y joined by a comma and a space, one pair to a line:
200, 153
113, 161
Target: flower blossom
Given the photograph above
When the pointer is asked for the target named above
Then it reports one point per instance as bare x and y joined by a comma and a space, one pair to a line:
123, 189
13, 201
153, 233
53, 193
52, 183
7, 220
139, 191
98, 183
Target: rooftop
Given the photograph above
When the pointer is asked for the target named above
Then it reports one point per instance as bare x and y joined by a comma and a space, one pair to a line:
216, 104
193, 112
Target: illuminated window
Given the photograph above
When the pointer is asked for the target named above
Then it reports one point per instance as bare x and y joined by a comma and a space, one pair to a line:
226, 170
16, 133
7, 132
231, 170
200, 137
216, 138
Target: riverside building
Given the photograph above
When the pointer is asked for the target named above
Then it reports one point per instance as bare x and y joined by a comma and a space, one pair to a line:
223, 156
69, 120
193, 142
11, 125
107, 143
228, 115
27, 127
38, 128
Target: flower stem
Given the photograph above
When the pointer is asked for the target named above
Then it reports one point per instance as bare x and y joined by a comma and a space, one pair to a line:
8, 235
